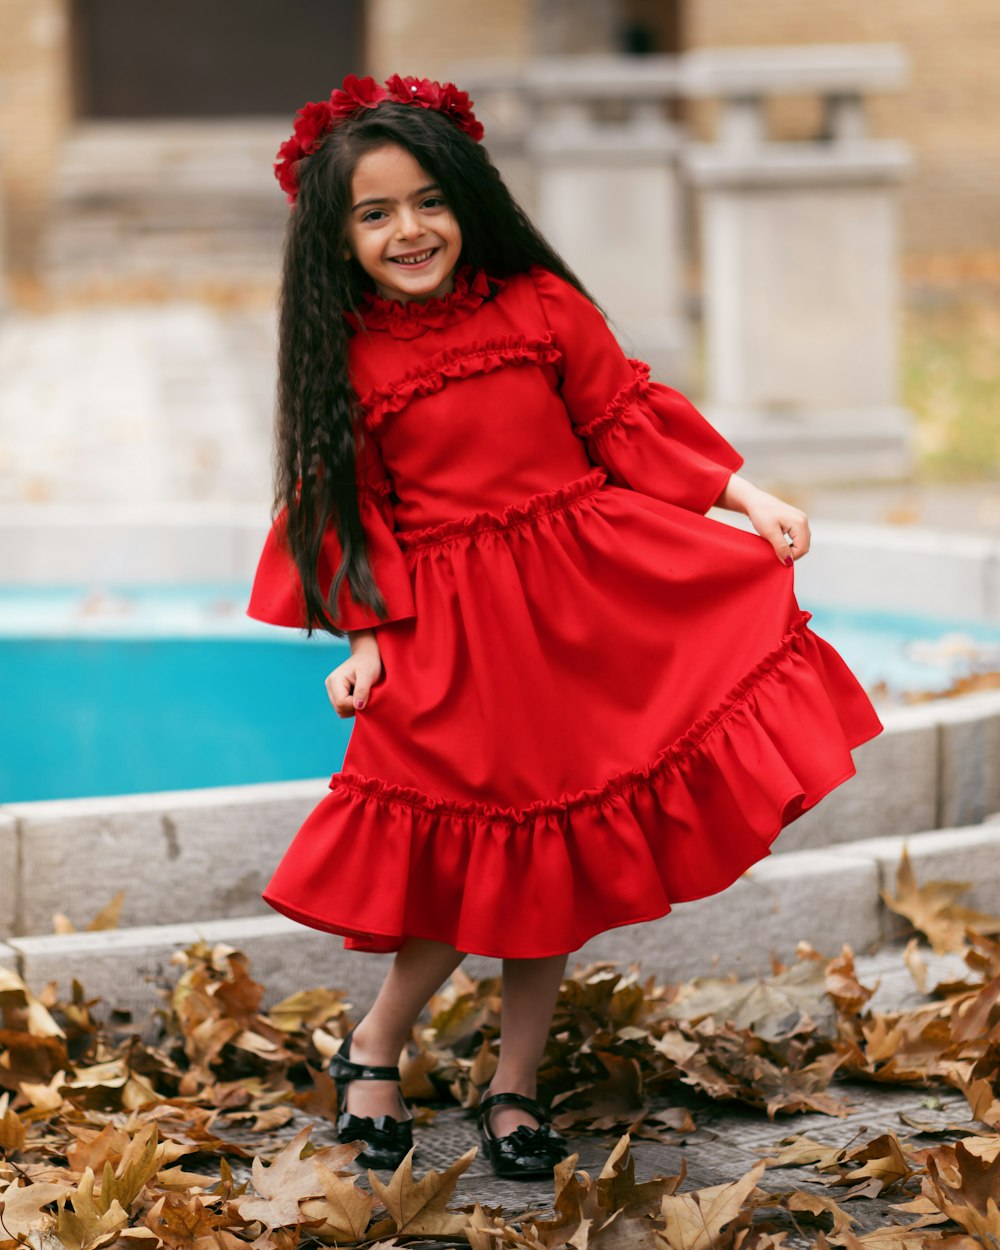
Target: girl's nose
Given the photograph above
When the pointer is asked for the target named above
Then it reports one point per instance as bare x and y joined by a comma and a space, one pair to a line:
409, 224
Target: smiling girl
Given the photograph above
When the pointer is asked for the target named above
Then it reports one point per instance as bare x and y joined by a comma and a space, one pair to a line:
578, 698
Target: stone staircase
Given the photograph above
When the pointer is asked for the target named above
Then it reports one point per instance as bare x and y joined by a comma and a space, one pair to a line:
192, 864
165, 202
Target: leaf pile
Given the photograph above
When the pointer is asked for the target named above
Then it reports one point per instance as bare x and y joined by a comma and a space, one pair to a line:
110, 1141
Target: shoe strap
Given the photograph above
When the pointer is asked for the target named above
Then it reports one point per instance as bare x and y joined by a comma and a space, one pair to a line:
366, 1071
490, 1101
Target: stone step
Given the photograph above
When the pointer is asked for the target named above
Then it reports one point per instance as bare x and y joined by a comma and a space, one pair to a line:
166, 199
826, 898
182, 855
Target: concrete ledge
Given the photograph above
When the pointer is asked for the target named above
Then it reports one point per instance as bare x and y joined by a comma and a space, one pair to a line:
969, 853
124, 967
10, 875
864, 806
824, 897
821, 898
8, 958
177, 854
908, 568
970, 753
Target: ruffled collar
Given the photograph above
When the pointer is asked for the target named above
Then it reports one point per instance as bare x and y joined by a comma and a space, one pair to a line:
408, 319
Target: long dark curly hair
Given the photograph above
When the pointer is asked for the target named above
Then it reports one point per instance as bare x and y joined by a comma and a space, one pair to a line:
318, 417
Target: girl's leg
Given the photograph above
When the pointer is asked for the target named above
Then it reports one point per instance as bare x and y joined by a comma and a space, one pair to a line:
419, 969
530, 991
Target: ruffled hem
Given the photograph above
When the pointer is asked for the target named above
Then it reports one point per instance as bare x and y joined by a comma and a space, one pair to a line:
455, 362
408, 319
684, 827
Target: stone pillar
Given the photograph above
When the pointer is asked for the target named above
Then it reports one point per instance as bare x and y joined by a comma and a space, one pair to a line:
800, 257
608, 195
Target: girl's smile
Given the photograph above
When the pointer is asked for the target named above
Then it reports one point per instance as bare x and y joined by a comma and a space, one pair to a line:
400, 229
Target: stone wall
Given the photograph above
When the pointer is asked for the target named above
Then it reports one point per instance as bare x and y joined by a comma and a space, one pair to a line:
35, 107
950, 206
947, 112
427, 38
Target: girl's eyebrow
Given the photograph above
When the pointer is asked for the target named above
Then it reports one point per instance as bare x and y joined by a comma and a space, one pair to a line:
387, 199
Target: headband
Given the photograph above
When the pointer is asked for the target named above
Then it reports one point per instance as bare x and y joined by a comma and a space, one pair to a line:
314, 120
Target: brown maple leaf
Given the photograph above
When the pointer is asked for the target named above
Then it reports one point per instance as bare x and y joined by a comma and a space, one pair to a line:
695, 1220
973, 1202
290, 1179
932, 909
418, 1208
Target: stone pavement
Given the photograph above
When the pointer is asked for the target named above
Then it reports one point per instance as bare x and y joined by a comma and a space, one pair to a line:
728, 1139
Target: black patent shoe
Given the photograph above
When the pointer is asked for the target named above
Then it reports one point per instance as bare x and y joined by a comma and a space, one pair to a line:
386, 1139
528, 1150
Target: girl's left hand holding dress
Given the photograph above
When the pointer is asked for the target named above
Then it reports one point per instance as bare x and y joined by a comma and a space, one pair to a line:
784, 526
350, 683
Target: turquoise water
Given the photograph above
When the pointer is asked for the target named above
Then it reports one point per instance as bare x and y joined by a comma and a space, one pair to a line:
135, 689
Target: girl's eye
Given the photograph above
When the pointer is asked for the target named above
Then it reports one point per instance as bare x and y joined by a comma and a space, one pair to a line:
433, 199
368, 216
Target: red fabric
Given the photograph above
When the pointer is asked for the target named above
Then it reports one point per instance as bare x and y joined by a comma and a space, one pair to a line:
603, 701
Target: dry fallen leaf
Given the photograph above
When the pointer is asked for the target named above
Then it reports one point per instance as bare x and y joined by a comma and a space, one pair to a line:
695, 1221
932, 909
290, 1179
972, 1202
419, 1208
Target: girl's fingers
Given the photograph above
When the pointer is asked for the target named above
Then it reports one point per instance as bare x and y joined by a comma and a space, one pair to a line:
363, 687
338, 688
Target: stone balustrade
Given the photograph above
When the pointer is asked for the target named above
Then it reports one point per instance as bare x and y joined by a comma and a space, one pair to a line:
798, 239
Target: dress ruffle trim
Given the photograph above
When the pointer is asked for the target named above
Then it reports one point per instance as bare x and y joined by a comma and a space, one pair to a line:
456, 362
524, 513
652, 439
408, 319
684, 827
629, 394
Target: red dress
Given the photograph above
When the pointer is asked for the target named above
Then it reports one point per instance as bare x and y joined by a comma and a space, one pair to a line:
596, 700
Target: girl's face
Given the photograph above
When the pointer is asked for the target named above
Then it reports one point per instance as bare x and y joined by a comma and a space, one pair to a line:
397, 212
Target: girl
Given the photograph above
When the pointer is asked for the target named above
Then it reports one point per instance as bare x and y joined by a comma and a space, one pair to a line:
579, 699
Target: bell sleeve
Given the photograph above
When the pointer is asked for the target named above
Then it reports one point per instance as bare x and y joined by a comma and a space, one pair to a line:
276, 596
648, 436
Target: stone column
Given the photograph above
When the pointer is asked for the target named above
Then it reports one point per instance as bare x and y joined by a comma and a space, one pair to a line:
607, 193
800, 256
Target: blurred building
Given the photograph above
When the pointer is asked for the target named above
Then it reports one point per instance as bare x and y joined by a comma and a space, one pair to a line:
77, 75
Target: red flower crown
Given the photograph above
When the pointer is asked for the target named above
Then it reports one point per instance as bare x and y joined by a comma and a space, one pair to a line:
314, 120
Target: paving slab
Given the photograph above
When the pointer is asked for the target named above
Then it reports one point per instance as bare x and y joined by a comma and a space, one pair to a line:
179, 855
727, 1141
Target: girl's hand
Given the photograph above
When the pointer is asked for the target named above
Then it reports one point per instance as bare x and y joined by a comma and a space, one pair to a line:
785, 528
350, 683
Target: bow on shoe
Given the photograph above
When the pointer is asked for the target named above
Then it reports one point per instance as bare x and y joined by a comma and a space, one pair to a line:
529, 1150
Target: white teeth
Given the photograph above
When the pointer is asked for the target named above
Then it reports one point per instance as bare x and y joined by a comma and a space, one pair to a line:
412, 260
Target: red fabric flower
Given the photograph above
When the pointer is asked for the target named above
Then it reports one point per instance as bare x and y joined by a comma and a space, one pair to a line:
289, 154
355, 93
312, 122
315, 119
445, 97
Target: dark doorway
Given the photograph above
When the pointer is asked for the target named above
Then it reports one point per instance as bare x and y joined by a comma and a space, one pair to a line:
211, 58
